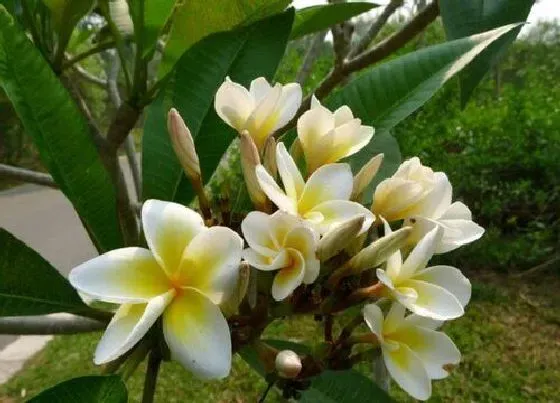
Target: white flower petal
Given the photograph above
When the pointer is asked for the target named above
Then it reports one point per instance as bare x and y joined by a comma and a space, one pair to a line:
315, 103
233, 104
394, 318
198, 335
342, 115
264, 263
424, 250
335, 212
438, 200
449, 278
259, 89
395, 197
273, 191
407, 370
280, 225
210, 263
256, 230
394, 262
304, 240
291, 177
264, 117
127, 275
458, 233
329, 182
312, 126
169, 227
384, 278
350, 138
289, 278
289, 103
130, 323
435, 349
374, 319
457, 211
433, 301
423, 321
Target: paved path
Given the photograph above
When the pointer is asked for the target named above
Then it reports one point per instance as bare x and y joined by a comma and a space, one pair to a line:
46, 221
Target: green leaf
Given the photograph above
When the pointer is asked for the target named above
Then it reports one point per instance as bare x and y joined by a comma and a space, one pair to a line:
195, 19
464, 18
386, 94
344, 387
318, 18
87, 389
60, 133
66, 14
30, 285
156, 14
243, 54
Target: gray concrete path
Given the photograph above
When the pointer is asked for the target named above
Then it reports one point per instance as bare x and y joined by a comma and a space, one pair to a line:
46, 221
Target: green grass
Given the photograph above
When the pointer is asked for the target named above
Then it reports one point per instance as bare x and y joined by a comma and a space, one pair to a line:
508, 337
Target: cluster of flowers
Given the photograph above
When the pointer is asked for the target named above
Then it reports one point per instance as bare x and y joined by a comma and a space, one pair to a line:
190, 269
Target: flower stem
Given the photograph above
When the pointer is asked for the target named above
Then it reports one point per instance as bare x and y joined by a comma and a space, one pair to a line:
151, 377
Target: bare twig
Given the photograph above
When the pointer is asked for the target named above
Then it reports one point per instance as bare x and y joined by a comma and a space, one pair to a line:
150, 381
342, 36
26, 175
543, 266
49, 324
96, 49
89, 77
312, 53
375, 28
366, 59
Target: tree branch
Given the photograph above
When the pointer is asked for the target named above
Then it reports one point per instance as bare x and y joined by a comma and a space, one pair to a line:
375, 28
374, 55
310, 57
26, 175
150, 381
49, 324
342, 36
89, 77
96, 49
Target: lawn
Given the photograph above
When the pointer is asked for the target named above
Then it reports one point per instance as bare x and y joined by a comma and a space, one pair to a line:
509, 337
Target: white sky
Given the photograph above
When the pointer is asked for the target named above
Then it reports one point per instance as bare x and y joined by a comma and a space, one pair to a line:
544, 10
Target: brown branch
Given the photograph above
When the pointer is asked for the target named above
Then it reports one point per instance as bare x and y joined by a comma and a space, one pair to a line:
375, 28
26, 175
310, 57
97, 49
89, 77
384, 49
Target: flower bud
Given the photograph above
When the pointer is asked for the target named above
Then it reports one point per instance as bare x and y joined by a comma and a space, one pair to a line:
338, 238
288, 364
296, 151
365, 176
379, 251
270, 156
183, 144
249, 161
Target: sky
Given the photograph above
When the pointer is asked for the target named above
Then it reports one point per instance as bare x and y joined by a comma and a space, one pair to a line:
544, 10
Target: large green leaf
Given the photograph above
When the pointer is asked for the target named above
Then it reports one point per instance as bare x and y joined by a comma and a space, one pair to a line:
87, 389
242, 54
156, 14
318, 18
386, 94
464, 18
60, 133
196, 19
29, 285
329, 386
344, 387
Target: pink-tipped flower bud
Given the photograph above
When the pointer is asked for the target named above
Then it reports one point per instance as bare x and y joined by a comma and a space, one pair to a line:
183, 144
288, 364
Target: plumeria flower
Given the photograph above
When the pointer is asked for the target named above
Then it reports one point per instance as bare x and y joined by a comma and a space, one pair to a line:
413, 351
454, 218
403, 194
323, 200
327, 137
281, 242
261, 110
439, 292
186, 273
